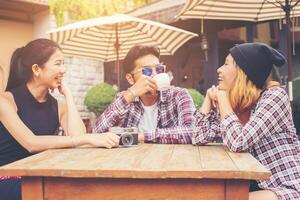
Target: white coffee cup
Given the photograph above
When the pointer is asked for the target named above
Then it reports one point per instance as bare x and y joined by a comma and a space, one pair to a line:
163, 81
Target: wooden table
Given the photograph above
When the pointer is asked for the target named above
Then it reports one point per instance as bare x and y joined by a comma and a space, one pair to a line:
146, 171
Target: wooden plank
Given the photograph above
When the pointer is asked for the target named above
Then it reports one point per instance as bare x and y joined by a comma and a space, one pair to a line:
129, 189
152, 163
216, 162
27, 162
95, 162
237, 190
120, 162
184, 157
212, 156
32, 188
249, 166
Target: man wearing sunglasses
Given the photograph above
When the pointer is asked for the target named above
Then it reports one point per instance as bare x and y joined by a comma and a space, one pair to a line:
161, 116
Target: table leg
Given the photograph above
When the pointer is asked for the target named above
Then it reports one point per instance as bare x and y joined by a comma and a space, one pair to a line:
32, 188
237, 190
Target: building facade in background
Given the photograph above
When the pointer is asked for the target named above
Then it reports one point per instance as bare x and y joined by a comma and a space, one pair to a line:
24, 20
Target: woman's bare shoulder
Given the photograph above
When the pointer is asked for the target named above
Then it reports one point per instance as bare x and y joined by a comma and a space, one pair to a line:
7, 99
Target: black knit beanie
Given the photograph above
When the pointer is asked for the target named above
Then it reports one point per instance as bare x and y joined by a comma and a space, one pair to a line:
256, 60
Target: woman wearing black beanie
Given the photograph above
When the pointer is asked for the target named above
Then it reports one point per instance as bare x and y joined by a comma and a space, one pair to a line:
252, 114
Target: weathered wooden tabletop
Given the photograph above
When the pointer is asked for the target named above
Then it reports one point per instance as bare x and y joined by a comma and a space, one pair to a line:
141, 161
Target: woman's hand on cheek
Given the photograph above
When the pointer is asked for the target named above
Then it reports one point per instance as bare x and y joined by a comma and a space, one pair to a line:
210, 100
63, 88
224, 106
212, 94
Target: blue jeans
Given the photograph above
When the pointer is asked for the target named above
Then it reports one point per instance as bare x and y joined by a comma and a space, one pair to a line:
10, 189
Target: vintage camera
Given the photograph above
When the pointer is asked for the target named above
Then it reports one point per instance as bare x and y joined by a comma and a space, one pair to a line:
128, 136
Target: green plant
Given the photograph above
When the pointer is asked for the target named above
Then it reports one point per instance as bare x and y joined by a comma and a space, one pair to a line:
77, 10
197, 97
99, 97
85, 9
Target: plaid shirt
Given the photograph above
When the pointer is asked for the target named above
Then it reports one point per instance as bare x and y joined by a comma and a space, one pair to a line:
269, 135
175, 121
9, 177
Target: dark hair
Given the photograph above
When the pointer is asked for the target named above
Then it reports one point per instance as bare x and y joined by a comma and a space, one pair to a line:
137, 52
35, 52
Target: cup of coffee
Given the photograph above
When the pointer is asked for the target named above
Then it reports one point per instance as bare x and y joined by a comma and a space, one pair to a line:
163, 81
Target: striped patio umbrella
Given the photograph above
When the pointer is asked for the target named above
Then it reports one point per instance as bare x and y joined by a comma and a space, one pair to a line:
110, 38
250, 10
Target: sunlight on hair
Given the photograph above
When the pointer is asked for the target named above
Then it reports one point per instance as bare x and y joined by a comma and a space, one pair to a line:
270, 84
244, 93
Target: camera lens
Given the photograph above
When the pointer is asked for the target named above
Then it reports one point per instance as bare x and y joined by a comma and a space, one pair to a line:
127, 139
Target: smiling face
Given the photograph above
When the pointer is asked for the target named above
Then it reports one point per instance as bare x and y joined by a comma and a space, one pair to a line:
227, 74
53, 71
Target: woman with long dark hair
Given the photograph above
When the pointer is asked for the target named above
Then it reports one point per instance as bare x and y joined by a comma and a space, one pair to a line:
254, 114
30, 116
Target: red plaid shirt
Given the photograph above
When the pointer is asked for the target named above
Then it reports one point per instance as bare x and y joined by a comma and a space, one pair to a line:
269, 135
175, 116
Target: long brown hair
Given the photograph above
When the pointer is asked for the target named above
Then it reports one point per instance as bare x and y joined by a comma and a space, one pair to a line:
244, 93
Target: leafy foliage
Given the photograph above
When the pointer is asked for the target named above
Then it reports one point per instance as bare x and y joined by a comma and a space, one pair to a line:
99, 97
85, 9
76, 10
197, 97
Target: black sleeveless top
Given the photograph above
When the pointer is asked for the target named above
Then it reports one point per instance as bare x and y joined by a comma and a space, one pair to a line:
40, 118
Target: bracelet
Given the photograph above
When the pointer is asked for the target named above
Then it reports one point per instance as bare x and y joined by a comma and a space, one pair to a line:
131, 93
72, 141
